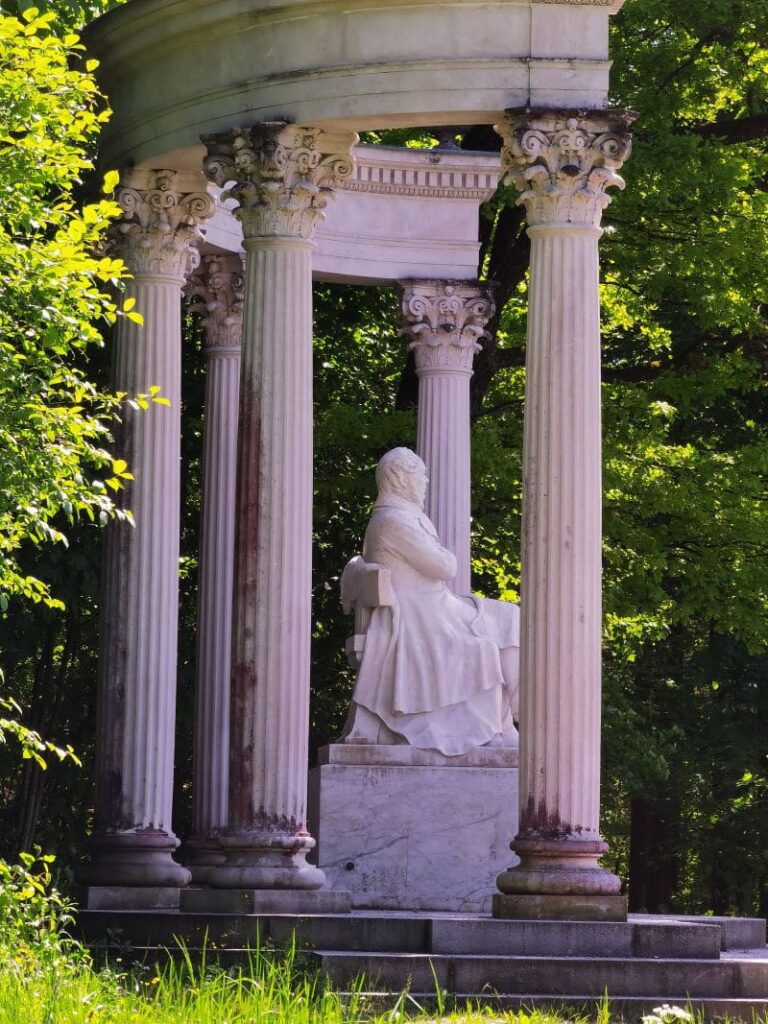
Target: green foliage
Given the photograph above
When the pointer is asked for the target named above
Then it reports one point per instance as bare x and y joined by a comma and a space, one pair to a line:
54, 423
686, 455
35, 947
33, 746
69, 14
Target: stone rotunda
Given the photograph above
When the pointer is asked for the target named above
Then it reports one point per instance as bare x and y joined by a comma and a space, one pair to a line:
235, 130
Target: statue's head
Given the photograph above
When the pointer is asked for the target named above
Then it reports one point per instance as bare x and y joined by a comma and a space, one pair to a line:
401, 472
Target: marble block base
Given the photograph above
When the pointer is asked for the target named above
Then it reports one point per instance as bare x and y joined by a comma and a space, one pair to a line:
264, 901
414, 836
128, 897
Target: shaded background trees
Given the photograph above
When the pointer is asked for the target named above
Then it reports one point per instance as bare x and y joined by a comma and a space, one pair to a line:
686, 457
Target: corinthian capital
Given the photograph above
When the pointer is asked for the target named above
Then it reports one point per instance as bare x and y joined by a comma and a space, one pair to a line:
215, 290
446, 321
282, 175
562, 163
159, 228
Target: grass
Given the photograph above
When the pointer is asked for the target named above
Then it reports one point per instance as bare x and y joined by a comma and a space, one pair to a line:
274, 988
46, 977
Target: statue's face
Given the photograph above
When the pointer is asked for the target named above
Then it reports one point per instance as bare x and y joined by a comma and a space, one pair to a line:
420, 481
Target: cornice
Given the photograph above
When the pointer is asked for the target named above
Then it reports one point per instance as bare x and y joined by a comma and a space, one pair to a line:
424, 173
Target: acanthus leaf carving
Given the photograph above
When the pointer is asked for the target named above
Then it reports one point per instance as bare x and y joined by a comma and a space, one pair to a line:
216, 292
446, 321
280, 175
563, 163
159, 229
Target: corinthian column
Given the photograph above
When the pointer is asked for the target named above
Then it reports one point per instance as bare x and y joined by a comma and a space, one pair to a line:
133, 841
281, 177
562, 164
215, 291
446, 320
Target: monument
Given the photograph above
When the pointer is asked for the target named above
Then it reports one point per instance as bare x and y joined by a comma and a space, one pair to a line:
437, 671
202, 131
430, 740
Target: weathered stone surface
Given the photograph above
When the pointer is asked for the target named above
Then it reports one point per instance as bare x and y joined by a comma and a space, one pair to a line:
281, 176
562, 906
413, 838
264, 901
128, 897
382, 755
133, 839
352, 63
563, 164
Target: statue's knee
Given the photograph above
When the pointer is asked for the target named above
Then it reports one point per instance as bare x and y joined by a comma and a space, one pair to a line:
510, 667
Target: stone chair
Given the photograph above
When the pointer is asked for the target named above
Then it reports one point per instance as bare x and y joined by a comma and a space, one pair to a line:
364, 586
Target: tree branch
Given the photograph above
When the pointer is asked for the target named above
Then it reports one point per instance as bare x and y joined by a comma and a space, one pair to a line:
730, 130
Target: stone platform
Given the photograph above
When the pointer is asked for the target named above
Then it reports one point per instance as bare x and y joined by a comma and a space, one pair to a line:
642, 962
401, 828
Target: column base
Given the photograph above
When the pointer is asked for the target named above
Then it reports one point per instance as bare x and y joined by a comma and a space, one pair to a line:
259, 860
561, 907
567, 866
199, 854
138, 858
265, 901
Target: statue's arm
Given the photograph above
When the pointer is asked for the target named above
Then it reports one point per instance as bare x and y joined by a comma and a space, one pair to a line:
406, 539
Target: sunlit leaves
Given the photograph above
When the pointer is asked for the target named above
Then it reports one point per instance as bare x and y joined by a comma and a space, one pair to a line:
54, 423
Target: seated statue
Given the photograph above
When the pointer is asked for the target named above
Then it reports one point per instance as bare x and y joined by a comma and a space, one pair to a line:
436, 671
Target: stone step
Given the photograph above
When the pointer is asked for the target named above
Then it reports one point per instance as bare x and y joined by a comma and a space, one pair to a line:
737, 932
380, 934
412, 934
627, 1009
478, 936
548, 976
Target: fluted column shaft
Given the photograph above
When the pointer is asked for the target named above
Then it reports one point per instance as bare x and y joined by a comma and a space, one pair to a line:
443, 442
272, 602
561, 541
562, 165
216, 291
446, 320
133, 840
281, 175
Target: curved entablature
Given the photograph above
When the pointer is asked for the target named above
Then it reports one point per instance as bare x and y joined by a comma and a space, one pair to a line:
176, 70
406, 213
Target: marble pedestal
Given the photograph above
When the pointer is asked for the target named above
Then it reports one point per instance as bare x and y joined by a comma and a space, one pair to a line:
404, 829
